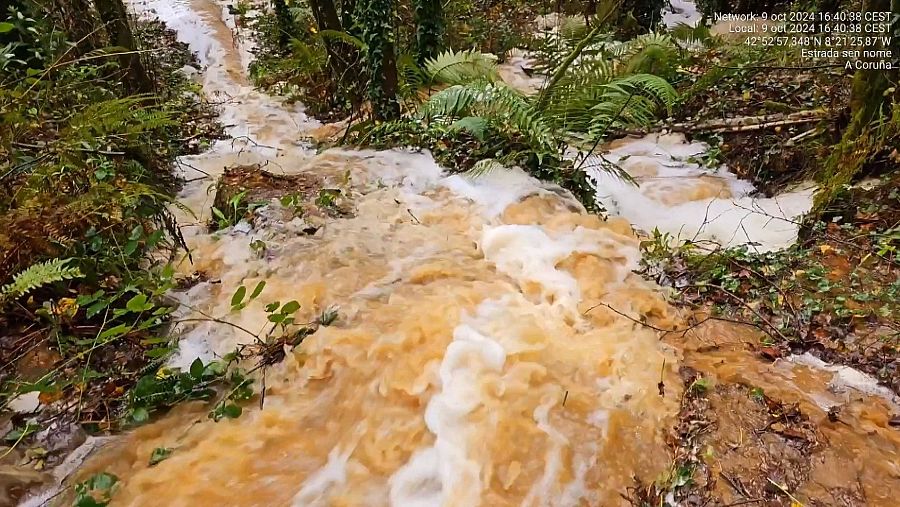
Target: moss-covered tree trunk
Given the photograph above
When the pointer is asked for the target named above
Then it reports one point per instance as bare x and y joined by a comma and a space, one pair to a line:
378, 34
429, 29
115, 19
867, 102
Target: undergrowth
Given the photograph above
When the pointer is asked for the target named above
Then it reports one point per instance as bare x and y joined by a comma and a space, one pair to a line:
834, 294
85, 226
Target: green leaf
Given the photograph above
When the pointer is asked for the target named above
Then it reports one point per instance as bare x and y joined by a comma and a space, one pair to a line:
258, 289
232, 411
96, 491
238, 295
160, 454
271, 307
114, 331
475, 125
140, 415
130, 247
290, 307
197, 369
160, 352
138, 304
95, 308
6, 27
102, 481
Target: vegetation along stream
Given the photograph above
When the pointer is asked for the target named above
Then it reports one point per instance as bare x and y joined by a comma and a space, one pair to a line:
445, 254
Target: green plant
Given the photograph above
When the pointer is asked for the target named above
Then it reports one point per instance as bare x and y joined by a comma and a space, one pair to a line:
165, 388
160, 454
282, 315
240, 300
38, 275
236, 208
241, 390
429, 28
96, 491
327, 198
376, 19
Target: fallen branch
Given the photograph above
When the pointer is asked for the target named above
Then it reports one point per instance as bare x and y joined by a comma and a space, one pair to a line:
739, 124
41, 146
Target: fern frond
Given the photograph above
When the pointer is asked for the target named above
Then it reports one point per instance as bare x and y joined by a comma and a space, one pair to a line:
461, 67
475, 125
345, 37
38, 275
484, 167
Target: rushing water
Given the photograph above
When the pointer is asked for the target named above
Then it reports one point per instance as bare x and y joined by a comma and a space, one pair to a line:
486, 351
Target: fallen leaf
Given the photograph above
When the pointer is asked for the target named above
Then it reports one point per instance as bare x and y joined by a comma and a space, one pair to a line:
770, 353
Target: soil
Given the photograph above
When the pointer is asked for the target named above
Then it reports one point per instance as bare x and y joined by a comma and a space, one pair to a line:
301, 195
835, 294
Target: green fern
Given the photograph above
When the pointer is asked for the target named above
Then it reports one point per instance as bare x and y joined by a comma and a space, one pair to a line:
475, 125
502, 106
461, 67
345, 37
38, 275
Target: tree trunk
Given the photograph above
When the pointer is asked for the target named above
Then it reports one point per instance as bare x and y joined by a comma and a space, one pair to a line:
326, 14
378, 33
340, 54
429, 28
867, 101
115, 18
867, 93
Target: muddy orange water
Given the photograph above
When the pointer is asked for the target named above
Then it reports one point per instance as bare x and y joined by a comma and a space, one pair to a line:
486, 350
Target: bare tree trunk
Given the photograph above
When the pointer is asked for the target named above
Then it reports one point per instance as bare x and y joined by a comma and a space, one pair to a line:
115, 19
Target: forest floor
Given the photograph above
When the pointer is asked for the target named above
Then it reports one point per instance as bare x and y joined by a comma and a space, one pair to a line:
834, 296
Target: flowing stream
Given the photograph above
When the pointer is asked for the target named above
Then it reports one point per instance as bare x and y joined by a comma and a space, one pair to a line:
486, 350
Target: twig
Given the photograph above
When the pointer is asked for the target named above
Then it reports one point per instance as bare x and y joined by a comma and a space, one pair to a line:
41, 146
786, 492
747, 306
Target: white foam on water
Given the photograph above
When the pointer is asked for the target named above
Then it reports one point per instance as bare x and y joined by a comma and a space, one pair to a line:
545, 487
444, 473
496, 189
528, 253
846, 379
332, 475
680, 12
691, 202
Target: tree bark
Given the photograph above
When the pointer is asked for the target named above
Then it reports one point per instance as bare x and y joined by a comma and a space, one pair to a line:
115, 18
341, 55
429, 29
867, 101
378, 32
